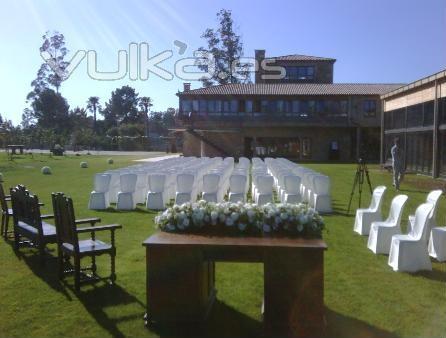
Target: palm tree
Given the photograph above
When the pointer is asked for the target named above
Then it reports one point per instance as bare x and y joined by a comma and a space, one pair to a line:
144, 104
93, 105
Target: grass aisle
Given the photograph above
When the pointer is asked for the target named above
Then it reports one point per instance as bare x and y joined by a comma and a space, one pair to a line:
363, 296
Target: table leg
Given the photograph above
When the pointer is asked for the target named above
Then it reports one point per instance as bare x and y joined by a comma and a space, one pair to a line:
179, 284
294, 293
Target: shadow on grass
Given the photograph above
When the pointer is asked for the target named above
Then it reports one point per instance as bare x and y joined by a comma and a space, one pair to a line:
46, 272
339, 325
223, 321
436, 275
97, 301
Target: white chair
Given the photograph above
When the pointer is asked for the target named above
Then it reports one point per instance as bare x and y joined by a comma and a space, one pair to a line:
437, 244
157, 194
291, 189
237, 188
409, 252
185, 188
99, 197
381, 233
264, 189
126, 195
321, 194
210, 187
433, 197
365, 217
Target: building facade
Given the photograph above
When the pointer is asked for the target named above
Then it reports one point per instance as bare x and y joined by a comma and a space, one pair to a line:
416, 114
292, 110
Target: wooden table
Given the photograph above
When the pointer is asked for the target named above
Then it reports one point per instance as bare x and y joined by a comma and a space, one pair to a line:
13, 147
181, 279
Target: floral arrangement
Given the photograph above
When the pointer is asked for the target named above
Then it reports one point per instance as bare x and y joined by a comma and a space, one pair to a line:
242, 218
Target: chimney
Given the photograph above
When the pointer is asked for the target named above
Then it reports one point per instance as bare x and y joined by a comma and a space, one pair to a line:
259, 56
186, 86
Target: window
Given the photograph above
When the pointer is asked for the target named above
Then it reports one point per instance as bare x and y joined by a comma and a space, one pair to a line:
344, 107
295, 107
186, 106
195, 105
249, 106
202, 107
306, 148
218, 106
415, 115
428, 113
211, 107
234, 106
280, 106
369, 108
299, 73
226, 107
264, 106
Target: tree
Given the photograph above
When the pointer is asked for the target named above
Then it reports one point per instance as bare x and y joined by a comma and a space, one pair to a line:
79, 119
93, 105
54, 50
226, 47
50, 109
144, 104
122, 107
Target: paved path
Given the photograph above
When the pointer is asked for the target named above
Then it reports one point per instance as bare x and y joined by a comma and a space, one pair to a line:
148, 154
157, 158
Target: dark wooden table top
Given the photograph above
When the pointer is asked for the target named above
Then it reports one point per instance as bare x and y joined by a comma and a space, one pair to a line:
165, 238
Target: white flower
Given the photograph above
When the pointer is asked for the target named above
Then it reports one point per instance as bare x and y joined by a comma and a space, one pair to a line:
234, 216
266, 228
214, 215
229, 222
186, 223
283, 215
300, 227
242, 226
222, 218
250, 213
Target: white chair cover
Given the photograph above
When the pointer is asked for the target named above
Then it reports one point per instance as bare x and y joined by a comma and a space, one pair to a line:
437, 244
126, 196
157, 194
365, 217
409, 252
99, 197
321, 194
433, 197
381, 233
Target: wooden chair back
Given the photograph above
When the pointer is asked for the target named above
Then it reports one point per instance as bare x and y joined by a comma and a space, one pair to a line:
65, 220
26, 208
3, 204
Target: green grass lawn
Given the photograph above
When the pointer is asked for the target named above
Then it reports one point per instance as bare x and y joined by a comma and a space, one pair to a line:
363, 296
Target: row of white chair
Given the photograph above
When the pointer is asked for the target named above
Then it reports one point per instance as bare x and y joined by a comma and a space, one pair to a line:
407, 252
295, 183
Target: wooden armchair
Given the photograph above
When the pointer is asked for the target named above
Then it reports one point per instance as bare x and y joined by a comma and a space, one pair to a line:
69, 245
6, 211
29, 223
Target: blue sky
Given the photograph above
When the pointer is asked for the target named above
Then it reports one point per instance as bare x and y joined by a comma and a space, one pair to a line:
373, 40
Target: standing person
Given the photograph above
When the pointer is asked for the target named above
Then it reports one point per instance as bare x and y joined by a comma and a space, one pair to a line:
397, 163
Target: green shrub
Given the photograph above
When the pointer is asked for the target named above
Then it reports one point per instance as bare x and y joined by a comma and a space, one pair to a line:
110, 161
84, 165
1, 177
46, 170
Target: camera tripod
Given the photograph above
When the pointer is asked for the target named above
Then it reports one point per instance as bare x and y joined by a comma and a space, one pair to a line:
361, 172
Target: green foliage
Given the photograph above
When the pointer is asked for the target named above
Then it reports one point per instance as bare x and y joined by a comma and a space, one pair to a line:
122, 107
1, 177
50, 110
110, 161
84, 165
46, 170
227, 48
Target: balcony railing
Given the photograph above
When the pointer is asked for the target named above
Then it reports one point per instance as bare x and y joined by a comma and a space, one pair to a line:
254, 118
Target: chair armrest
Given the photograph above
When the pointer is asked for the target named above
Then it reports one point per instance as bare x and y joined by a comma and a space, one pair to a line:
100, 228
46, 216
91, 220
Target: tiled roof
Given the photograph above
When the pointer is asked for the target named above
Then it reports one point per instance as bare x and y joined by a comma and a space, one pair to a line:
298, 57
295, 89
